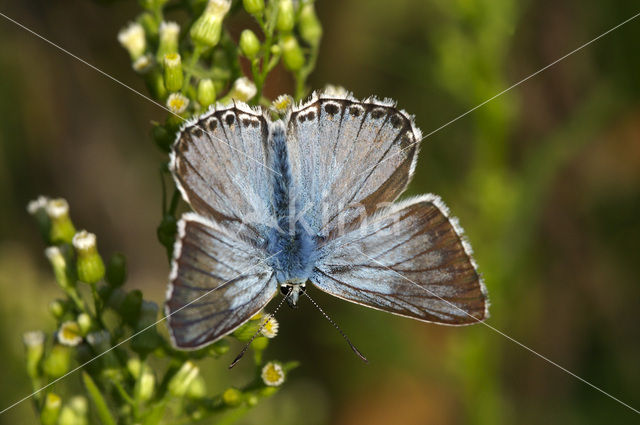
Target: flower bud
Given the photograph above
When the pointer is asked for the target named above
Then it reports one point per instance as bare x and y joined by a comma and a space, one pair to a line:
206, 30
152, 4
168, 42
243, 89
309, 25
84, 323
173, 76
62, 229
57, 308
254, 7
34, 346
249, 44
232, 396
197, 389
51, 409
260, 343
252, 400
292, 55
57, 362
155, 84
248, 330
143, 64
179, 384
150, 25
286, 16
130, 307
61, 269
133, 39
177, 103
116, 270
272, 374
69, 334
37, 208
75, 412
146, 385
219, 347
162, 137
89, 264
206, 93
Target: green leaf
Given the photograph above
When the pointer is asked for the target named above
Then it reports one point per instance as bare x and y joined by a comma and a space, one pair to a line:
98, 400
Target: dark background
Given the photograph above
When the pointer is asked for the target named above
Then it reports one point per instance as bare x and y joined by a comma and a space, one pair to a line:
545, 179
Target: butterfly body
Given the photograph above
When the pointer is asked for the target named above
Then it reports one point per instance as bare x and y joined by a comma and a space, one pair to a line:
310, 199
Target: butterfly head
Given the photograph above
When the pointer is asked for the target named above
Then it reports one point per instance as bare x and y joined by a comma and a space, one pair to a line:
292, 290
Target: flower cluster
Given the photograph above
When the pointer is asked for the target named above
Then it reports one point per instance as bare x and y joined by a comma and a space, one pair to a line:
98, 320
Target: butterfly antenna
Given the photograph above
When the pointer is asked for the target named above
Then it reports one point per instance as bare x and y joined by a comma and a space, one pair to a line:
246, 347
353, 347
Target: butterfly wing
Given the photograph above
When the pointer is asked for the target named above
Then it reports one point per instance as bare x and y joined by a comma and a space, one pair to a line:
348, 157
411, 260
219, 165
217, 283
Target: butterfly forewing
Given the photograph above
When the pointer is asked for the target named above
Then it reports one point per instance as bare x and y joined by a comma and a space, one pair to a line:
219, 164
217, 283
349, 158
409, 260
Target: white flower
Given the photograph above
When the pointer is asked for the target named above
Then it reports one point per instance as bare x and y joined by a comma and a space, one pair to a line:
337, 91
69, 334
133, 39
37, 204
270, 329
243, 89
282, 103
272, 374
84, 241
169, 31
177, 103
57, 208
33, 338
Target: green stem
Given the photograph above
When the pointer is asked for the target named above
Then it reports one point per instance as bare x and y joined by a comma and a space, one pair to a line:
193, 60
123, 393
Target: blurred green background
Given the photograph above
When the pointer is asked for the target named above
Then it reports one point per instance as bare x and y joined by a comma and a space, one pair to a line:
545, 179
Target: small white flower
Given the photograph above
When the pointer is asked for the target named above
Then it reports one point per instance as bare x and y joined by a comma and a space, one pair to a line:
272, 374
333, 90
33, 338
218, 8
57, 208
282, 103
177, 103
84, 241
270, 329
69, 334
54, 254
243, 89
37, 204
169, 30
133, 39
142, 64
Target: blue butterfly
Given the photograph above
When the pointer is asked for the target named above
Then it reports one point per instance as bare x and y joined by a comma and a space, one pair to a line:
309, 198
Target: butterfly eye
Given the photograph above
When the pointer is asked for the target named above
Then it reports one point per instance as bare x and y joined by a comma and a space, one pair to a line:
284, 290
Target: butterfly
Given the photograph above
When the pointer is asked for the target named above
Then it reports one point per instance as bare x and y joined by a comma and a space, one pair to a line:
309, 197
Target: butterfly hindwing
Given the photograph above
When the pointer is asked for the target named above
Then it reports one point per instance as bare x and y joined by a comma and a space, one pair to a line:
409, 259
217, 283
349, 157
